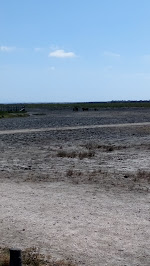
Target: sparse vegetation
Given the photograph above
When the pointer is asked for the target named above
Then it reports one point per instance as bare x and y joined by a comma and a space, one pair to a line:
73, 154
32, 257
91, 145
90, 176
142, 175
39, 114
86, 154
4, 257
103, 147
74, 173
69, 173
91, 105
95, 106
69, 154
12, 115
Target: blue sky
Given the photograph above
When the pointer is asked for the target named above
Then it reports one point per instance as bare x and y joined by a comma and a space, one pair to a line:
74, 50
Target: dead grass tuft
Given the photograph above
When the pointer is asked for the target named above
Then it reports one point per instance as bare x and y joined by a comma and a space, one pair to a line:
32, 257
86, 154
81, 155
104, 147
73, 173
69, 173
142, 175
4, 257
63, 154
90, 145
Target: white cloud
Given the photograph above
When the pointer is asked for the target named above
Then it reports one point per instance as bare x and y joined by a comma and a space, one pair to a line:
61, 54
111, 54
6, 49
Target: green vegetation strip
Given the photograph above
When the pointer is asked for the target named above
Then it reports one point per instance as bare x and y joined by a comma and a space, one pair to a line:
12, 114
78, 105
112, 104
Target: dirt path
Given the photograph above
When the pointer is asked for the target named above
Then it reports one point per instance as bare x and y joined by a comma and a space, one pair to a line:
3, 132
86, 224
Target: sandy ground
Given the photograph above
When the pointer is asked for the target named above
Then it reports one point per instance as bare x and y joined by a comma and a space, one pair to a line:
78, 194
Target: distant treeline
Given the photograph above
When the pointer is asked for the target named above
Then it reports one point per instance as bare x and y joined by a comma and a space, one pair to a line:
79, 105
12, 108
90, 105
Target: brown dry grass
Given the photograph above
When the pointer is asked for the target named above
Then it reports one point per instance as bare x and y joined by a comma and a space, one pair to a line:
104, 147
4, 257
142, 175
32, 257
73, 154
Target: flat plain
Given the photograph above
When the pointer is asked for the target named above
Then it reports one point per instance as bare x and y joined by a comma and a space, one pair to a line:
76, 185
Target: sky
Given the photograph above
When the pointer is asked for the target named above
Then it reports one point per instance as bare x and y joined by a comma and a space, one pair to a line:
74, 50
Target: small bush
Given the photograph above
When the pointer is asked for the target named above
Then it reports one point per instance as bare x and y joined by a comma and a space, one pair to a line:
104, 147
85, 154
4, 257
90, 145
63, 153
142, 175
73, 154
32, 257
109, 148
39, 114
69, 173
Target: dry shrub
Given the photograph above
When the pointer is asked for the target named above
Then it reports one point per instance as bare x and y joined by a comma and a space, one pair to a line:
142, 175
86, 154
73, 154
4, 257
32, 257
109, 148
104, 147
75, 173
69, 172
90, 145
97, 175
63, 154
61, 263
